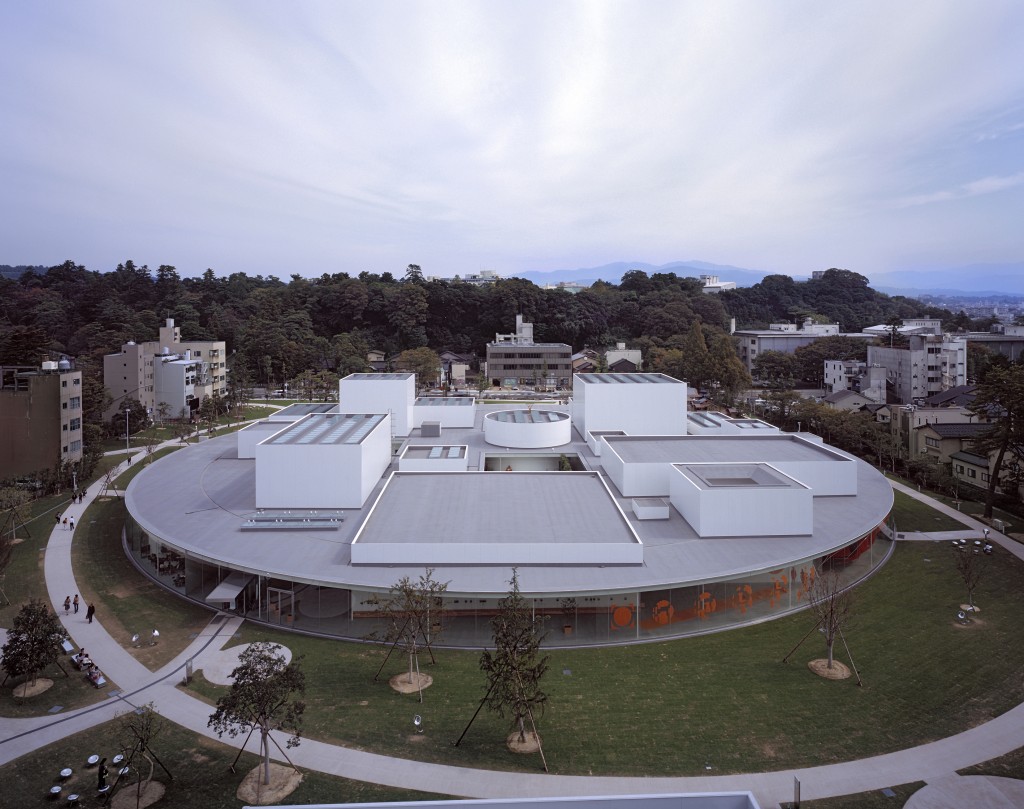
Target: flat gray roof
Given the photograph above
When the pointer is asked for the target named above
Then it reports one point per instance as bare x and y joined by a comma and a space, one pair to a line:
527, 416
625, 379
197, 500
495, 508
719, 448
328, 428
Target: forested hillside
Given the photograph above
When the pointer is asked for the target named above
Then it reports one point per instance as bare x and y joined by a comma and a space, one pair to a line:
280, 328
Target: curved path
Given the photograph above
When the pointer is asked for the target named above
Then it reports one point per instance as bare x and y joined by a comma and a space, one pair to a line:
935, 763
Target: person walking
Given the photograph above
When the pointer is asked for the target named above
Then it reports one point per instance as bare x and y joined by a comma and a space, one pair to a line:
75, 603
67, 605
71, 524
65, 523
58, 519
90, 612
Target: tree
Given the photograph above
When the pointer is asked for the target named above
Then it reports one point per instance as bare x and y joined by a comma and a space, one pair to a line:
1000, 396
970, 564
423, 362
775, 369
810, 359
262, 697
831, 603
34, 642
514, 669
138, 418
137, 730
412, 617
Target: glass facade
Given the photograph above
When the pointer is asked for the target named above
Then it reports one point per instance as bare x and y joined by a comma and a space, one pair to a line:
573, 619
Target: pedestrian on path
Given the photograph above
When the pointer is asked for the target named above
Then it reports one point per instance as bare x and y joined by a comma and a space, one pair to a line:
58, 519
67, 605
75, 603
71, 524
65, 523
89, 613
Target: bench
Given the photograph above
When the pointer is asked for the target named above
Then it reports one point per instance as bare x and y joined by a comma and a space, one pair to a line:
67, 646
99, 682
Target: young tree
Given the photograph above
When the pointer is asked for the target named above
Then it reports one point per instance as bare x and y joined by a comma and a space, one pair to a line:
34, 641
970, 564
137, 730
831, 603
412, 613
262, 697
514, 668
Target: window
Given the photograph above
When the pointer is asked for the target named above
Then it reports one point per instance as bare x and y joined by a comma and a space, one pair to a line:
63, 383
77, 381
985, 477
931, 442
76, 446
960, 468
972, 473
63, 405
76, 402
76, 424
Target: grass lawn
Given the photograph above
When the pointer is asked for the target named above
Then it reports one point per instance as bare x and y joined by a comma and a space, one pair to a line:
1009, 766
127, 601
913, 515
24, 578
724, 699
199, 767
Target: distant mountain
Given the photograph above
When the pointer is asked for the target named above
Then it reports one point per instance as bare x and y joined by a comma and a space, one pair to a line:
612, 273
975, 279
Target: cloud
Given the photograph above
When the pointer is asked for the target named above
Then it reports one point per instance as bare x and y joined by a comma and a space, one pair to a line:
975, 188
503, 135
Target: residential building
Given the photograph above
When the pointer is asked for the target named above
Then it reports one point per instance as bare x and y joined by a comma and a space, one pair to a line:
571, 287
869, 381
942, 441
1004, 339
847, 400
929, 364
623, 360
785, 337
167, 373
40, 418
515, 359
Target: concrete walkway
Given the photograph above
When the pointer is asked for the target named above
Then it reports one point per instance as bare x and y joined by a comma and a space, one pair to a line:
935, 763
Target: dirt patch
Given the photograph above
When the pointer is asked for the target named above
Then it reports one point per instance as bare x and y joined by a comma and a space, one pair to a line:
283, 782
404, 685
839, 671
29, 689
125, 798
970, 622
531, 743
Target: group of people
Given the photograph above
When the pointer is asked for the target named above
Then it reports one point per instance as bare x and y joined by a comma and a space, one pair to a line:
84, 663
69, 522
73, 603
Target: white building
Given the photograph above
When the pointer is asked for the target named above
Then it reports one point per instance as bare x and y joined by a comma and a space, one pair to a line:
661, 534
712, 286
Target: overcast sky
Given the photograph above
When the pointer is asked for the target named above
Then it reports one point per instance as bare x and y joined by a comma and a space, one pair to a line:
302, 137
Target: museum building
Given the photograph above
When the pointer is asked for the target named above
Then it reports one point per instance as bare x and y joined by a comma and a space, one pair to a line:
627, 518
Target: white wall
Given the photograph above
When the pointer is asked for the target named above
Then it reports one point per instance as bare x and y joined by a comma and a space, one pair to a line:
321, 475
640, 408
742, 511
359, 394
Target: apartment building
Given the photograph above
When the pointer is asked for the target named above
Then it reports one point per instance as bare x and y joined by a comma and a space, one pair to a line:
515, 359
40, 418
166, 371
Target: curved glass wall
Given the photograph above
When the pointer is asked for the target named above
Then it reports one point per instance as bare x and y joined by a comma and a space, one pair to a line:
465, 620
